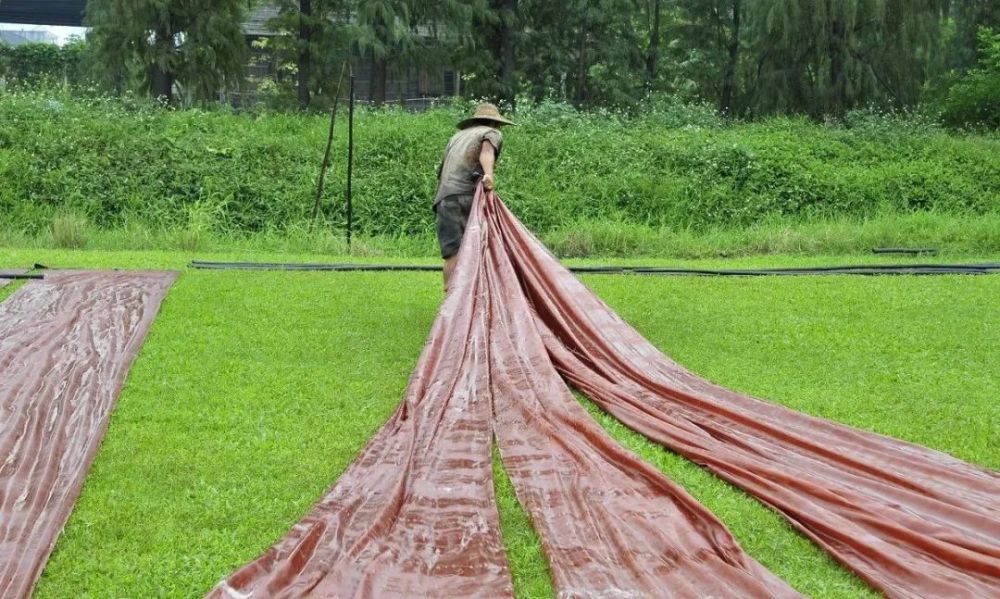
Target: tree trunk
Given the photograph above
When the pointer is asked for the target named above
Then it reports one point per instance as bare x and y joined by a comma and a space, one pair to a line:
838, 101
161, 78
378, 82
503, 48
654, 45
581, 75
508, 51
305, 66
380, 64
162, 84
729, 76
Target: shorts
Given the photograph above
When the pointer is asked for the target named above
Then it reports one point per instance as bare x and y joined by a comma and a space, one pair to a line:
452, 216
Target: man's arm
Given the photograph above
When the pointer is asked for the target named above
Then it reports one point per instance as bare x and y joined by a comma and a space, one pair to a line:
487, 156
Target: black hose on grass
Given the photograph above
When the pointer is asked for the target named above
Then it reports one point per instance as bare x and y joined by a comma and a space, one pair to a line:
904, 251
869, 270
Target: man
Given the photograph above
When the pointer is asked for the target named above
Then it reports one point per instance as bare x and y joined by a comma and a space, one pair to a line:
469, 157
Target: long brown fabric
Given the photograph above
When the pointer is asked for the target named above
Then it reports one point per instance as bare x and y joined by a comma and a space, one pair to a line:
415, 514
611, 525
66, 344
911, 521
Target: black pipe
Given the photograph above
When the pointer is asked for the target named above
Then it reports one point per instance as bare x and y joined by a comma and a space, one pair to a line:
881, 269
14, 277
904, 251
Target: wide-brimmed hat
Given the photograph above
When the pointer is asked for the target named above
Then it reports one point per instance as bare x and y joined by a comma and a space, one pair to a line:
485, 112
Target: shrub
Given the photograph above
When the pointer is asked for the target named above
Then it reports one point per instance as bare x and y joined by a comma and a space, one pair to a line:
974, 101
69, 230
40, 64
219, 173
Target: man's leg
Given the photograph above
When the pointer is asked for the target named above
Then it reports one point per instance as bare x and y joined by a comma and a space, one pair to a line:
449, 268
452, 214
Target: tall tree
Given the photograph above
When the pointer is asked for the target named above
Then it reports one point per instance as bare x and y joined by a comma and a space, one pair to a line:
489, 52
400, 35
157, 44
710, 36
305, 38
834, 55
443, 31
734, 18
314, 36
585, 51
383, 29
502, 43
653, 52
968, 16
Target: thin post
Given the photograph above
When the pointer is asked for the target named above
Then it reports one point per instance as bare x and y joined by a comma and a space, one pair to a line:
350, 163
329, 144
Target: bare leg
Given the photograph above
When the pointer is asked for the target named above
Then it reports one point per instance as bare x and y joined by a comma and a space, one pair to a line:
449, 268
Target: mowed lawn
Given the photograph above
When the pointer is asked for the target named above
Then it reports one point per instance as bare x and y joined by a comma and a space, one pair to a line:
255, 390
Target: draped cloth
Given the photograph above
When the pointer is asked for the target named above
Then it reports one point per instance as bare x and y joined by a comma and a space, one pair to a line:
415, 514
66, 344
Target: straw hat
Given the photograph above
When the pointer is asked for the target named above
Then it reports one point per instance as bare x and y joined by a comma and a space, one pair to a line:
485, 112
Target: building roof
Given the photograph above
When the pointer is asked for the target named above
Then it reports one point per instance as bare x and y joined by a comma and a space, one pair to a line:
70, 13
67, 13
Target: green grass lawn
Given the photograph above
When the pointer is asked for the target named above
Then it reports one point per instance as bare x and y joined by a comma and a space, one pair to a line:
256, 389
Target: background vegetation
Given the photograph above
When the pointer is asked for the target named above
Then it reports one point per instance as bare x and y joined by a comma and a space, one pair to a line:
666, 127
745, 58
579, 178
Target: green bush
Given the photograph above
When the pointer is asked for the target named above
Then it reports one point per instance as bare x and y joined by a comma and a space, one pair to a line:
69, 230
40, 64
974, 101
128, 162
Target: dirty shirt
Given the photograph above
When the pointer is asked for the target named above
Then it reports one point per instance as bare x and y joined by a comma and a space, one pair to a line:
460, 169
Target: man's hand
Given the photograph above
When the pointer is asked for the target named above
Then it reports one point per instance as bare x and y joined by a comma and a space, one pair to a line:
488, 182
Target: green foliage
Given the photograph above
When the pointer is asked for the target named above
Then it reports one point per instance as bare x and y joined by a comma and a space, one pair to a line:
744, 56
41, 64
393, 37
69, 230
747, 58
134, 162
586, 52
153, 45
950, 233
832, 56
968, 17
974, 101
313, 46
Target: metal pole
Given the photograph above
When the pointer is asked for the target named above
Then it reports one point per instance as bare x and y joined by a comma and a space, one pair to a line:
350, 163
329, 145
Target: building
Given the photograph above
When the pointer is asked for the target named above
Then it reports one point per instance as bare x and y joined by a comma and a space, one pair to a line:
66, 13
13, 37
